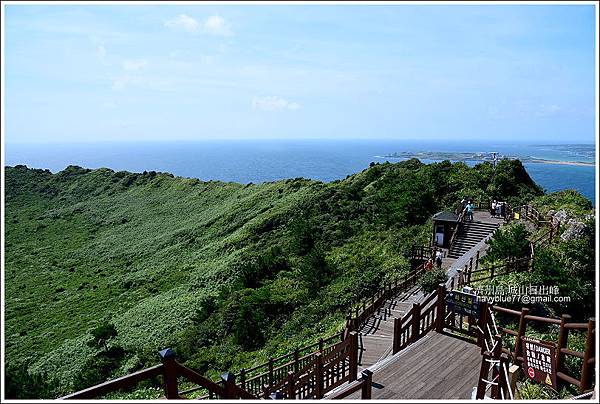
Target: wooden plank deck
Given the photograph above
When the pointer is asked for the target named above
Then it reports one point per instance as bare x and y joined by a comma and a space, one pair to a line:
438, 366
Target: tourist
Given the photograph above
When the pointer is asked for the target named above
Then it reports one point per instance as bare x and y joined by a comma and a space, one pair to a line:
438, 258
502, 209
463, 203
493, 208
429, 265
470, 207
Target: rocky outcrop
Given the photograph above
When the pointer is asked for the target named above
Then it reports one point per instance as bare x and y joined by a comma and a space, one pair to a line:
571, 228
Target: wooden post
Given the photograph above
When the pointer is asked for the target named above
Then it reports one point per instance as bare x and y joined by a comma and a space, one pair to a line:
229, 383
587, 355
503, 381
468, 275
520, 334
243, 378
483, 370
415, 322
397, 334
513, 376
296, 360
319, 376
471, 264
441, 307
497, 352
291, 389
353, 366
367, 379
321, 345
563, 335
271, 378
477, 260
167, 357
483, 319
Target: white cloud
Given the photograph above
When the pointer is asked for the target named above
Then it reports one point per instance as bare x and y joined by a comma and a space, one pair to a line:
216, 25
273, 103
213, 25
183, 22
134, 64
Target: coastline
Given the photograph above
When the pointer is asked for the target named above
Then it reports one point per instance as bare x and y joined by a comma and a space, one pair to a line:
523, 160
566, 163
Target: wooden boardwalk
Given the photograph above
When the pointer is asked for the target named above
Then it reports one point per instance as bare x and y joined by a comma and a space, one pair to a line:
447, 365
438, 366
376, 336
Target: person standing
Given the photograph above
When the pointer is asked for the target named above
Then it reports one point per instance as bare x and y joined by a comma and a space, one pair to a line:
493, 208
438, 258
429, 265
470, 208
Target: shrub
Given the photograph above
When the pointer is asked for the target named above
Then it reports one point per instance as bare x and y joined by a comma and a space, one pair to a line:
510, 242
431, 279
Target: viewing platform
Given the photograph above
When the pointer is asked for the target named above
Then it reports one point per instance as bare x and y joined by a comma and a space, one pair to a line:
438, 366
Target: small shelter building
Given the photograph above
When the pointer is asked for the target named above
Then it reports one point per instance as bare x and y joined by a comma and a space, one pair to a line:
444, 224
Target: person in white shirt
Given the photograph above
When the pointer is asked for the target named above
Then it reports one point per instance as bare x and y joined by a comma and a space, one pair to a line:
439, 255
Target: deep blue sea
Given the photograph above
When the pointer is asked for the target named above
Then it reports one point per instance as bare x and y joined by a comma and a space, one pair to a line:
269, 160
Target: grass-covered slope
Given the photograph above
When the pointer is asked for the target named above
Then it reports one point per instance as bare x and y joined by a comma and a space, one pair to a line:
105, 268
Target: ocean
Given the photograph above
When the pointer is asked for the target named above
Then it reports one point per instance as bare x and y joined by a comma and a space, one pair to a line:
258, 161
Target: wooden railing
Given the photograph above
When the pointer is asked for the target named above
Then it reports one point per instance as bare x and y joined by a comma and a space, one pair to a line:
511, 264
277, 369
435, 313
562, 350
422, 318
364, 385
321, 375
170, 370
362, 311
420, 253
494, 373
459, 225
469, 275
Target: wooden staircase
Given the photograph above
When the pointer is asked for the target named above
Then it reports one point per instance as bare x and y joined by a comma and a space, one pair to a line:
469, 235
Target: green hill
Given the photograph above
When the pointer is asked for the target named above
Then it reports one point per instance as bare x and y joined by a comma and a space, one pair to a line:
105, 268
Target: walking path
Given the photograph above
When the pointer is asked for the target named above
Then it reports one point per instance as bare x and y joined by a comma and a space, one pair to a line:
438, 366
376, 339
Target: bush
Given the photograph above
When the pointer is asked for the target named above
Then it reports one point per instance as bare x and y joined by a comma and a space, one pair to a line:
431, 279
510, 242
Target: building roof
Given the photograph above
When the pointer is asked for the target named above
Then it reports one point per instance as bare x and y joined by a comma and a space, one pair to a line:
445, 217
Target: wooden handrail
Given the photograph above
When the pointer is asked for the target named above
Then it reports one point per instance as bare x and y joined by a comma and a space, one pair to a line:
364, 385
116, 384
200, 380
459, 221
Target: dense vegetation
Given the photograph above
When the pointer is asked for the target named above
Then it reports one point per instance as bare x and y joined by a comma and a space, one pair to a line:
105, 268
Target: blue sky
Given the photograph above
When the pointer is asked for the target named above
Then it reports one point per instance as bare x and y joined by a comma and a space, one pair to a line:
92, 73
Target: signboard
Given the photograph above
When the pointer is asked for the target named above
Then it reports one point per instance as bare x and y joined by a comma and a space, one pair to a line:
463, 303
539, 361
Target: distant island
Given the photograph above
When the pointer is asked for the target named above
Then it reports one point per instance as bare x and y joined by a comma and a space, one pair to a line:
479, 156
